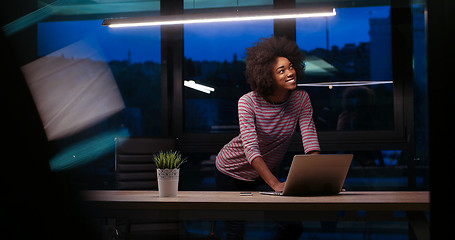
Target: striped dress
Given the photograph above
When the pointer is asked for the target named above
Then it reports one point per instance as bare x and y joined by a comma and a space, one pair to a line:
266, 130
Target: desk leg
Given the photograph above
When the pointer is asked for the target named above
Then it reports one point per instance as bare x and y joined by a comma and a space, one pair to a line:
418, 225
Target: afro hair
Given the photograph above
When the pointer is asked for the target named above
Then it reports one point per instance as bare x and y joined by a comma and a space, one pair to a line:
262, 56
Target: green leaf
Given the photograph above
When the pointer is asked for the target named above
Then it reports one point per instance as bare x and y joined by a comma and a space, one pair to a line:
169, 159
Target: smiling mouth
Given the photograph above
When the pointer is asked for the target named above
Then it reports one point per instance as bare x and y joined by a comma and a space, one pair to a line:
292, 80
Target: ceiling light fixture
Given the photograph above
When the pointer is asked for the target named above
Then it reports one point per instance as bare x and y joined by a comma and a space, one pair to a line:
218, 17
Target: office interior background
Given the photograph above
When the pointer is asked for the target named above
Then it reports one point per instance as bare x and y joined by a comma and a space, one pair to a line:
397, 121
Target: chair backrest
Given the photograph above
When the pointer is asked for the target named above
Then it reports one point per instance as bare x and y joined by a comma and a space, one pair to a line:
134, 166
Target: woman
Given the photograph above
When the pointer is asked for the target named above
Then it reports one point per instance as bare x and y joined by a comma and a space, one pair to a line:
268, 116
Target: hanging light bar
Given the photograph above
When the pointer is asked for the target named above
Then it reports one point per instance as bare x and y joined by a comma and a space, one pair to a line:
219, 17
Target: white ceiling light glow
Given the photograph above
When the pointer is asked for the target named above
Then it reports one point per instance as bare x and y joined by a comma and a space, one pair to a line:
196, 86
218, 17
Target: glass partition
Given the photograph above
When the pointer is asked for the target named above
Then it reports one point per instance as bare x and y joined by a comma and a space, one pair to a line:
133, 55
349, 69
214, 57
133, 58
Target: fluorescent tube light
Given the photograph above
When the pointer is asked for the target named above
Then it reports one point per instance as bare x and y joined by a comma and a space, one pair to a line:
219, 17
192, 84
344, 84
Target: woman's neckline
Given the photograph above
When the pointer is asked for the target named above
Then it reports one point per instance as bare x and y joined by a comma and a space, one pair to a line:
275, 103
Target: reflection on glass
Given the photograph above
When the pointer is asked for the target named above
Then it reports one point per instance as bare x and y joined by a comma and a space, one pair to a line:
73, 89
357, 113
354, 46
352, 108
214, 56
133, 56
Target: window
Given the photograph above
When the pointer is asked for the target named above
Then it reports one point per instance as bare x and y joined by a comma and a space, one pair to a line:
363, 56
344, 55
214, 56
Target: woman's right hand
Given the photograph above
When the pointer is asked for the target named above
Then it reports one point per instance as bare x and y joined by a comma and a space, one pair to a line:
279, 187
265, 173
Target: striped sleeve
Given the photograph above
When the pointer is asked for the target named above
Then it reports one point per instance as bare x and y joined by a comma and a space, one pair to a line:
247, 124
308, 130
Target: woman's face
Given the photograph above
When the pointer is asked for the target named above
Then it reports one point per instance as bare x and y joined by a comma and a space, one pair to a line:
284, 75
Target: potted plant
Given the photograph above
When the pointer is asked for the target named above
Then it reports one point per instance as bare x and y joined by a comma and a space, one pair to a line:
167, 171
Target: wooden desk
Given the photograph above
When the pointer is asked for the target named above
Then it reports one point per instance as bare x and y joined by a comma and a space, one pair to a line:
191, 205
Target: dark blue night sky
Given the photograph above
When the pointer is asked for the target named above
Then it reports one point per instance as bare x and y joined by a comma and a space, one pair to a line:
207, 41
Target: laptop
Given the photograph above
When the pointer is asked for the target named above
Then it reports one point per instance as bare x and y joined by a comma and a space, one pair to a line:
316, 174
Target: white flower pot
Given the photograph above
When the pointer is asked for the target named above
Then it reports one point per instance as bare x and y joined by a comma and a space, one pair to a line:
168, 182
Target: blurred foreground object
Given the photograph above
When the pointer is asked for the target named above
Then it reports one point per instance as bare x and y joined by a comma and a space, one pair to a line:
73, 88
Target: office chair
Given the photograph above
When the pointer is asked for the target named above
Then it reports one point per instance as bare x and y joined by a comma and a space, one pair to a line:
136, 170
134, 166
